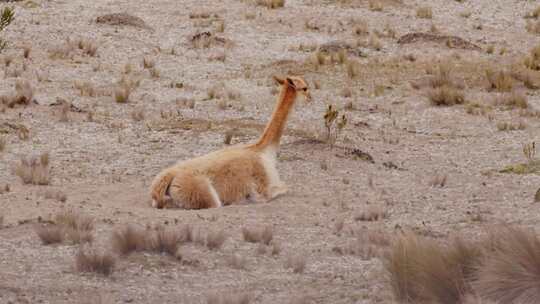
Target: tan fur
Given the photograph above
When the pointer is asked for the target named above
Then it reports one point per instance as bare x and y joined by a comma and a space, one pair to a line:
233, 174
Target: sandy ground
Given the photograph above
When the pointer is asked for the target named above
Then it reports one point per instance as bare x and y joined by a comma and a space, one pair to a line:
105, 165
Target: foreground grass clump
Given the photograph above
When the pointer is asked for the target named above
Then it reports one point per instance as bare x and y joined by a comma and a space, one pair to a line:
504, 267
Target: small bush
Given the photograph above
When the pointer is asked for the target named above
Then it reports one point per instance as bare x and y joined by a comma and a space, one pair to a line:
128, 239
512, 101
34, 170
424, 12
511, 271
446, 96
255, 235
215, 239
296, 262
371, 213
93, 261
271, 3
164, 241
500, 81
50, 234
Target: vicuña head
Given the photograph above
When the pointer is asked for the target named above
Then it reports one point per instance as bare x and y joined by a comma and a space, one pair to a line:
233, 174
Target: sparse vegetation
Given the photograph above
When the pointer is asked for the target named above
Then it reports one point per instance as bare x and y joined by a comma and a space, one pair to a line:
160, 240
533, 26
34, 170
70, 226
424, 12
215, 239
271, 3
512, 101
446, 96
500, 81
258, 235
50, 234
533, 61
90, 260
23, 95
371, 213
444, 91
438, 180
296, 262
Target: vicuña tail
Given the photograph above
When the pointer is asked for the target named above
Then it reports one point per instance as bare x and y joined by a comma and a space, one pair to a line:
274, 129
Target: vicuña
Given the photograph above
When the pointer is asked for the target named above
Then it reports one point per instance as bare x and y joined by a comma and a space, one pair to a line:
232, 174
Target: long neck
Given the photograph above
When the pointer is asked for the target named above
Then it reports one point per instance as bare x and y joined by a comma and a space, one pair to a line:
274, 129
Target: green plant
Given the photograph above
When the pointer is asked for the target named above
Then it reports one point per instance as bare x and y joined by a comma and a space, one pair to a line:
6, 17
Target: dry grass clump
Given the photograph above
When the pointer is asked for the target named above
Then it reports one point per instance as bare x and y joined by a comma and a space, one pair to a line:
164, 241
375, 5
26, 51
510, 126
533, 27
500, 81
258, 235
534, 13
128, 239
91, 260
50, 234
237, 261
149, 62
444, 91
512, 101
229, 298
161, 240
371, 213
138, 114
33, 170
70, 226
424, 12
57, 195
215, 239
504, 268
296, 262
271, 4
511, 271
88, 46
422, 271
86, 88
23, 95
76, 227
438, 180
533, 61
446, 96
352, 68
124, 89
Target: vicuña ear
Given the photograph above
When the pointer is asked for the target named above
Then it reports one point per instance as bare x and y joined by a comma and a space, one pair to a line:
291, 83
279, 80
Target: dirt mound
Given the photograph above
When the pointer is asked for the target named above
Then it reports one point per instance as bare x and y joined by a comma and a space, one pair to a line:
122, 19
451, 41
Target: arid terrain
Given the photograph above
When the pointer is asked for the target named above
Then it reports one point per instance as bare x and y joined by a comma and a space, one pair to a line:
442, 112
